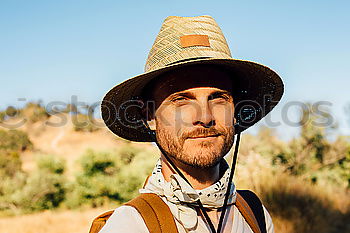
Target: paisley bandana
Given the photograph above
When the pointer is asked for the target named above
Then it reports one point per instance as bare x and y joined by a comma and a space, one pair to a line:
182, 198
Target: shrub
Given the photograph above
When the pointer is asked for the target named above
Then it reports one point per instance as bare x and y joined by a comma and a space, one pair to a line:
41, 191
94, 163
51, 164
11, 111
10, 163
44, 188
95, 184
8, 187
110, 176
84, 123
2, 116
34, 112
14, 140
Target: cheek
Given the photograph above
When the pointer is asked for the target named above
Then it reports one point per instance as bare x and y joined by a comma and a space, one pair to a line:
184, 116
174, 119
223, 115
165, 117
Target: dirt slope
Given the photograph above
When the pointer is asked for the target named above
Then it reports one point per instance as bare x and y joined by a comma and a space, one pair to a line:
57, 136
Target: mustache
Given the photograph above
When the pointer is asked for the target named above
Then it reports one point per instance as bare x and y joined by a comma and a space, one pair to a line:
203, 132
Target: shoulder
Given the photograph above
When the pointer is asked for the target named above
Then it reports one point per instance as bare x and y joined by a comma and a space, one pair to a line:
125, 219
268, 221
255, 204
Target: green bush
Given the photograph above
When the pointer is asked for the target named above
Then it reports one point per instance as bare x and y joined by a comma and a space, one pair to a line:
41, 191
94, 163
34, 112
83, 123
10, 163
2, 116
110, 176
8, 187
14, 140
44, 188
51, 164
11, 111
93, 191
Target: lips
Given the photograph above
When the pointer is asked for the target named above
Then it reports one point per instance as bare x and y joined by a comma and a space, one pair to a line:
204, 136
203, 133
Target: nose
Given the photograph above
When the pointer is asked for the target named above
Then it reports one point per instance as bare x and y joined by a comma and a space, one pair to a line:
204, 116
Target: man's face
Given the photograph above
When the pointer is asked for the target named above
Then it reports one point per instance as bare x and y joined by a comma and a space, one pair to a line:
194, 115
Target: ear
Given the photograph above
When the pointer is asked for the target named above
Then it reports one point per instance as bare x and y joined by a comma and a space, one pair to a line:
152, 124
149, 118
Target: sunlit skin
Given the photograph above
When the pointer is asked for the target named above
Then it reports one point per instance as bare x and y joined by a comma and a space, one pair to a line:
194, 122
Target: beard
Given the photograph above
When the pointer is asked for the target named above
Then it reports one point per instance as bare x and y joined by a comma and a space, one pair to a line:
201, 154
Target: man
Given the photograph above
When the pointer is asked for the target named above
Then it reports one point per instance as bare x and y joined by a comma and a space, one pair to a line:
192, 101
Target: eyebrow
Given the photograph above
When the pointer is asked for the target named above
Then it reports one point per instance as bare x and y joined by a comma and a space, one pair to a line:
190, 95
218, 93
187, 94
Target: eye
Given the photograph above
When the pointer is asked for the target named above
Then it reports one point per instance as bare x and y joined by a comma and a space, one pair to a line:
178, 99
220, 97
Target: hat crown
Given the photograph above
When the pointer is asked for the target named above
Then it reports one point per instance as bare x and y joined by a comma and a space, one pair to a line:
186, 38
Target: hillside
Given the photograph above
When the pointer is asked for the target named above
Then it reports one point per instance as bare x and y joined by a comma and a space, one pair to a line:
64, 141
304, 183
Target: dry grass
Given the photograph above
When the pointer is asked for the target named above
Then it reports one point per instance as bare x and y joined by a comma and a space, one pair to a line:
295, 205
50, 222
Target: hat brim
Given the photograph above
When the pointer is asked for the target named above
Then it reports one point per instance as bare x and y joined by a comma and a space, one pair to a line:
260, 89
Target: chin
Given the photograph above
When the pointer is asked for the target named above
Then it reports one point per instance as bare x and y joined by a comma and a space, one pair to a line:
204, 163
201, 157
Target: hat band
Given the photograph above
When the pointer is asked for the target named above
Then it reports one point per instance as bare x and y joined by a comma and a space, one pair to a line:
187, 59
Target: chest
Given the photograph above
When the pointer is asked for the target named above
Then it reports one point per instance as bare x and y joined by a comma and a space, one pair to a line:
234, 222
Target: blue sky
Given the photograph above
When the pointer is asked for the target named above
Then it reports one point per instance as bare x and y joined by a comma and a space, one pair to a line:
51, 50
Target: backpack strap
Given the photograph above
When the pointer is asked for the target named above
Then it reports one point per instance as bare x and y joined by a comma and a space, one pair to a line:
100, 221
251, 208
155, 213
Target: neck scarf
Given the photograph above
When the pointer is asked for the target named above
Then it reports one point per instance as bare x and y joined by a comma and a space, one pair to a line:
182, 198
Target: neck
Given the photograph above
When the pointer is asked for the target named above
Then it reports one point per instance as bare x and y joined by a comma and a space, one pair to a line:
199, 178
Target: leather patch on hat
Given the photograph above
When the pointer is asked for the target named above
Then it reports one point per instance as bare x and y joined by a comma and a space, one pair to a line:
194, 40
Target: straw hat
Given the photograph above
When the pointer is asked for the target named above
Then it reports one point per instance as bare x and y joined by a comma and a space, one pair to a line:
187, 41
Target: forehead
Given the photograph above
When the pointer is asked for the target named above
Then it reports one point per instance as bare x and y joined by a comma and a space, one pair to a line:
189, 78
